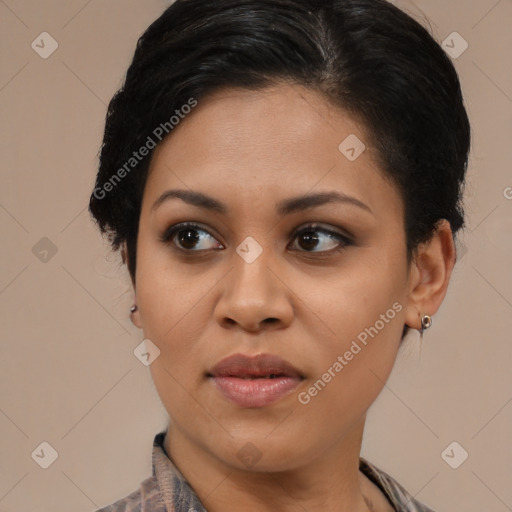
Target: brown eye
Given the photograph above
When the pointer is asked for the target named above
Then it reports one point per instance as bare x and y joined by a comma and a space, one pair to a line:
190, 237
187, 238
311, 238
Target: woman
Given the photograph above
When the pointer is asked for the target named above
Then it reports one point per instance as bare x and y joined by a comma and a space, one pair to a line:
283, 179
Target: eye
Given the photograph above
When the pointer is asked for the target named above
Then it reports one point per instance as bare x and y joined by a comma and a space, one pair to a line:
314, 238
190, 237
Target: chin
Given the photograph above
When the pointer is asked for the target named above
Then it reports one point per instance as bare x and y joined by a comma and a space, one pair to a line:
261, 453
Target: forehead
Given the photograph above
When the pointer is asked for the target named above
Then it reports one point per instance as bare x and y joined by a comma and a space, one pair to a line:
251, 146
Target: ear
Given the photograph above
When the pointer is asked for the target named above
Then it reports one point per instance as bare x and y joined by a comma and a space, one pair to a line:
430, 274
135, 316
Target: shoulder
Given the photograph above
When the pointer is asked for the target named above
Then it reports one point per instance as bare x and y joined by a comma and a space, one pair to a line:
396, 493
147, 498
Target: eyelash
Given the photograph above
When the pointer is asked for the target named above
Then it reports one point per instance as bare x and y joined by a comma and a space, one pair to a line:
345, 241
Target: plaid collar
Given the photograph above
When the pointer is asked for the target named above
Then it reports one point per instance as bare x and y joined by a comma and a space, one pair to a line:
176, 495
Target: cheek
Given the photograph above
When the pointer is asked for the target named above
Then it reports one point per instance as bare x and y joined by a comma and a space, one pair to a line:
364, 312
174, 311
352, 368
169, 296
365, 296
176, 324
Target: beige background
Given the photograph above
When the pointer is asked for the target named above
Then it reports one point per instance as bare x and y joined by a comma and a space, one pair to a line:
68, 373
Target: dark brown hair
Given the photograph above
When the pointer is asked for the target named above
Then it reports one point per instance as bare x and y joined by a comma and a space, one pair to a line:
366, 56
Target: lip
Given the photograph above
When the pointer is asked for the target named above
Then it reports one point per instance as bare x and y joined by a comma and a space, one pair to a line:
245, 380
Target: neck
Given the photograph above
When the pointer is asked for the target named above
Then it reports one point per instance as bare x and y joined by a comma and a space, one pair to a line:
328, 481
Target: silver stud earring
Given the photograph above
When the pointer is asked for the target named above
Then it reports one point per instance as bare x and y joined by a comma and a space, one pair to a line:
133, 308
426, 322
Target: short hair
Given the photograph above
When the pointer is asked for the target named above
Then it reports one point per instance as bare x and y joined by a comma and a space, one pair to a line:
365, 56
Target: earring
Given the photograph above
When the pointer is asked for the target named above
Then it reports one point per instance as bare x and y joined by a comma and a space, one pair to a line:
133, 308
426, 322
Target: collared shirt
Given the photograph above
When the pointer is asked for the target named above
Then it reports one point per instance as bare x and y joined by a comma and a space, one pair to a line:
167, 490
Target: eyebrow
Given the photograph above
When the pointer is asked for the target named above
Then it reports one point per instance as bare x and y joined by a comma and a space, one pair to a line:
285, 207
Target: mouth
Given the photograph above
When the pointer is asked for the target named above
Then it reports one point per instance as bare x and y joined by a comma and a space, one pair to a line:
255, 381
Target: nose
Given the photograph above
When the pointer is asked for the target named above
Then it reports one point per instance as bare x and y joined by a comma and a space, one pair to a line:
254, 297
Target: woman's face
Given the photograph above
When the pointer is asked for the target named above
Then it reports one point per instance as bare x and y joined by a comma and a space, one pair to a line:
320, 283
